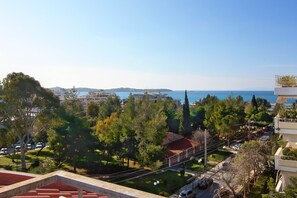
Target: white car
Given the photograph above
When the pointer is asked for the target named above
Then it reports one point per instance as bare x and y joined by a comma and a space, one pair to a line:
39, 145
29, 147
236, 147
17, 148
3, 151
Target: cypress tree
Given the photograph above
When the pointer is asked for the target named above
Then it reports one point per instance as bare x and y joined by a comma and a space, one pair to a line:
254, 104
186, 123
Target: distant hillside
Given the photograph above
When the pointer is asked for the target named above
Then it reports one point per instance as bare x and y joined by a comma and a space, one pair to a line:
122, 89
126, 89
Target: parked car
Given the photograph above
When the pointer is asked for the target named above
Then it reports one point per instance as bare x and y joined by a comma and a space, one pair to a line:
29, 146
264, 138
17, 148
204, 183
236, 147
186, 194
3, 151
40, 145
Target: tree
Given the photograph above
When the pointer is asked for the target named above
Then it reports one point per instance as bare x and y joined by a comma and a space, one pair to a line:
150, 127
209, 103
186, 122
111, 105
254, 105
92, 109
173, 122
263, 104
72, 105
128, 134
263, 116
70, 140
252, 159
109, 133
92, 112
71, 136
23, 102
199, 136
197, 117
137, 132
228, 178
227, 116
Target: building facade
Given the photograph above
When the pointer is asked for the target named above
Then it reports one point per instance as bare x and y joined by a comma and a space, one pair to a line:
285, 124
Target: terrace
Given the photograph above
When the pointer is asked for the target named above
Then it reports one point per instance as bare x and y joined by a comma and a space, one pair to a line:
285, 125
286, 87
286, 158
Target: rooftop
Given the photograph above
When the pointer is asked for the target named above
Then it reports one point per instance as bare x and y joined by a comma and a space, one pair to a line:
61, 184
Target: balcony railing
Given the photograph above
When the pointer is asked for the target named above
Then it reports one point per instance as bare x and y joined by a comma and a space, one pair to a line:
283, 162
286, 81
285, 125
287, 120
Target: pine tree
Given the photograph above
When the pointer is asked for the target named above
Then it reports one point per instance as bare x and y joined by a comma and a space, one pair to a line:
186, 123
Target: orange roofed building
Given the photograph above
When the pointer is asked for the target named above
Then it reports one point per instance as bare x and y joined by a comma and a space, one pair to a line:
61, 184
179, 148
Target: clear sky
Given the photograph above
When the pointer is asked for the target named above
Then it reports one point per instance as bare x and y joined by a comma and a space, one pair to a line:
175, 44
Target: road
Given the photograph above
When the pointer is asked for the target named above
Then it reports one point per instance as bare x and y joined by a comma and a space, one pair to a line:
216, 174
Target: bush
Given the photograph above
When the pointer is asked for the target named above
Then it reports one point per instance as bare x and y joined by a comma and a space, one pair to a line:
290, 153
8, 167
287, 81
47, 166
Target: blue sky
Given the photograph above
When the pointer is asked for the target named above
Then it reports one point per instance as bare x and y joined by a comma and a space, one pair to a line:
194, 45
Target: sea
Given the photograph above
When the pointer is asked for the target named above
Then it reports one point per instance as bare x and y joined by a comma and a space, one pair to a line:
194, 96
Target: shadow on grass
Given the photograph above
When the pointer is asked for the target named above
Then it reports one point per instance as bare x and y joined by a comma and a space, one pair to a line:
43, 153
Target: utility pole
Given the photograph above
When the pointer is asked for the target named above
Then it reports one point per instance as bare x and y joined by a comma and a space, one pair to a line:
205, 149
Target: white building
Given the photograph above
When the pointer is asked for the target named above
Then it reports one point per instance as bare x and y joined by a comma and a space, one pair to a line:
286, 127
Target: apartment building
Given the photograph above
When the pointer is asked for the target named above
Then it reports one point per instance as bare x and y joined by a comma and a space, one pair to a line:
285, 124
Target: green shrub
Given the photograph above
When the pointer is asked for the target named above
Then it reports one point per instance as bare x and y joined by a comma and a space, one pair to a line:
287, 81
47, 166
8, 167
290, 153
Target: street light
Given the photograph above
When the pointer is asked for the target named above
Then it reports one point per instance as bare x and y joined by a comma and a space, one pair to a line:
156, 182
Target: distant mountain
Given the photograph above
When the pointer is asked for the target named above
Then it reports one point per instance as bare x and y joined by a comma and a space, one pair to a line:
79, 89
126, 89
122, 89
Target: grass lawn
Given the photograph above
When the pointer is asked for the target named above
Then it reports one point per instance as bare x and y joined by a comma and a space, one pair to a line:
45, 153
213, 159
4, 161
30, 157
219, 155
169, 183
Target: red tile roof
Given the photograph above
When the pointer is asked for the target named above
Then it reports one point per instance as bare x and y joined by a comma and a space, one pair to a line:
53, 190
178, 146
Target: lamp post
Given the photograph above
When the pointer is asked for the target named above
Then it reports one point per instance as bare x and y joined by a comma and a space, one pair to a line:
156, 182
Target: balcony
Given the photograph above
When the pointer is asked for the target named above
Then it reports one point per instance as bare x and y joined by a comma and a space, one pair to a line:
286, 86
283, 162
285, 126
